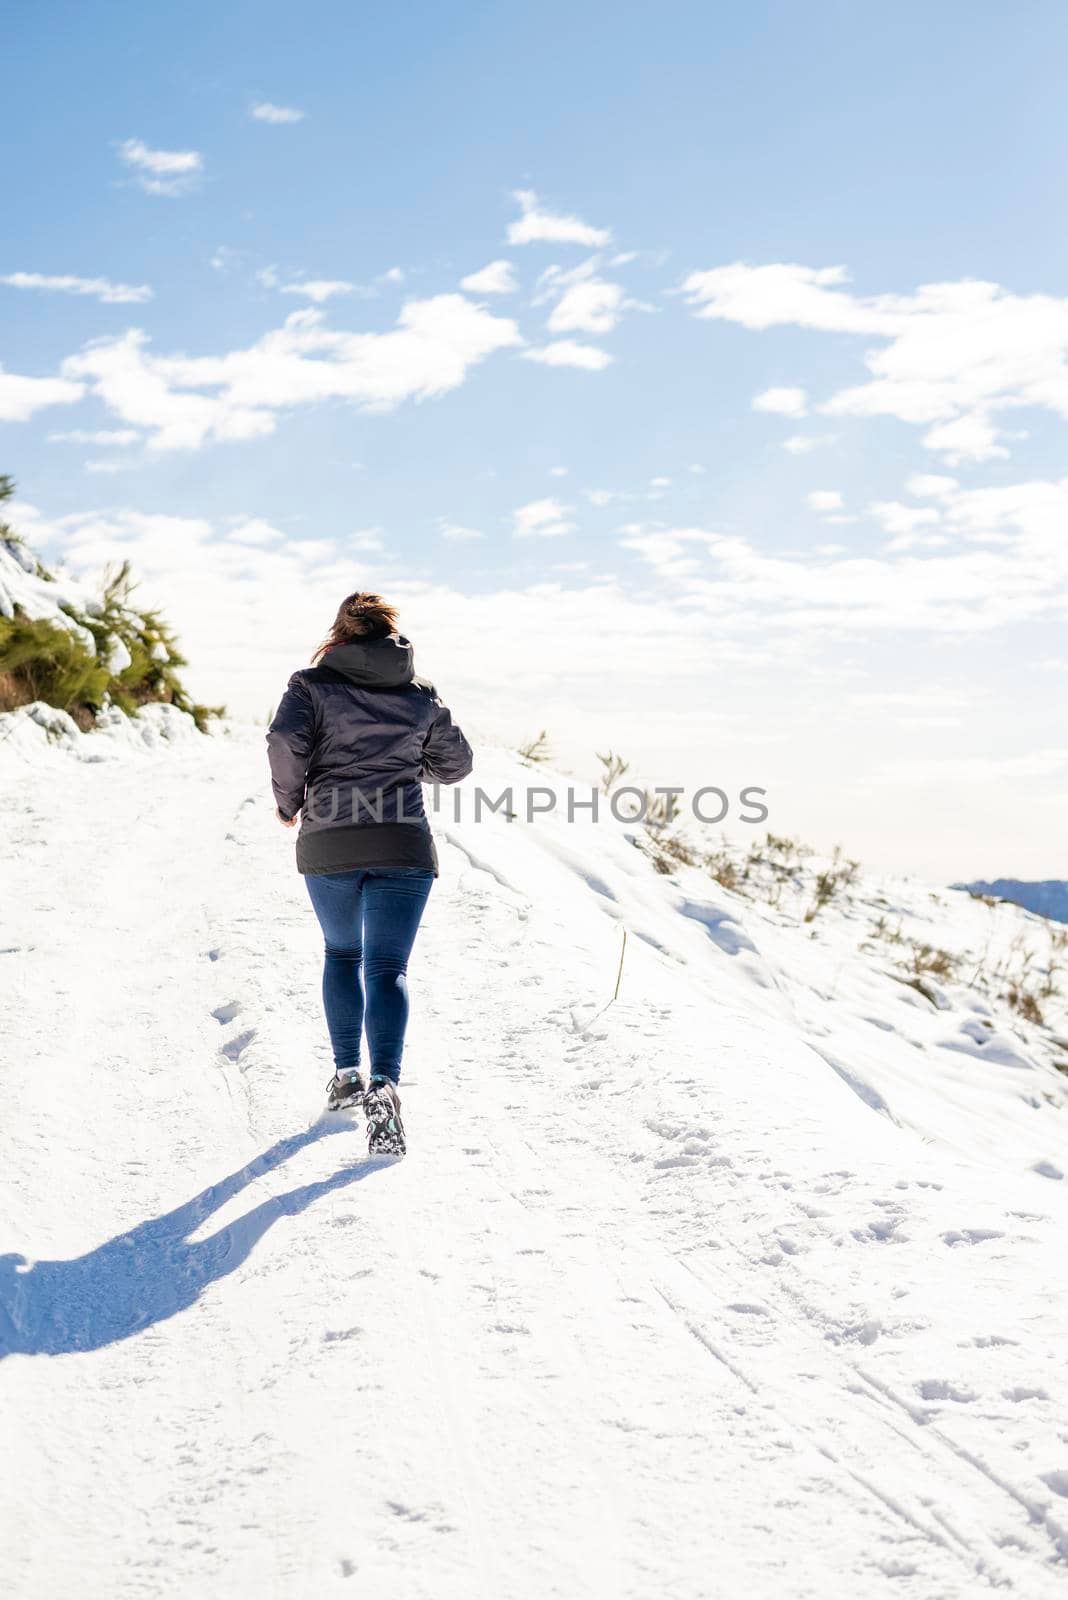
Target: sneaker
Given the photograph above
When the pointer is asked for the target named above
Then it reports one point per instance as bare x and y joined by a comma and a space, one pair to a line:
385, 1130
345, 1090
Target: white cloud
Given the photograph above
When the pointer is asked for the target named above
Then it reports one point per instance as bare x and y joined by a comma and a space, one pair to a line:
719, 585
319, 289
971, 438
108, 464
547, 519
659, 483
782, 402
801, 444
905, 524
972, 772
991, 558
930, 485
66, 283
366, 539
456, 531
265, 111
775, 296
898, 518
696, 468
954, 355
568, 353
255, 531
538, 226
666, 552
558, 472
498, 277
585, 302
824, 500
20, 397
119, 437
591, 307
169, 172
603, 497
932, 697
185, 401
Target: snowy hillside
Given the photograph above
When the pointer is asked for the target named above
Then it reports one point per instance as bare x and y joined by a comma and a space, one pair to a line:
748, 1282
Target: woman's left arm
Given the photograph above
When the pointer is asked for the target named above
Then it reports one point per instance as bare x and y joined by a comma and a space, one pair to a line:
289, 745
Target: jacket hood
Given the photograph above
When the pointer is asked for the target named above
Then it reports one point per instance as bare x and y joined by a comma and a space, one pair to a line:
373, 663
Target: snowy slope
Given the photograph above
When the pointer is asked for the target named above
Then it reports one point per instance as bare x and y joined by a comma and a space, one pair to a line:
749, 1282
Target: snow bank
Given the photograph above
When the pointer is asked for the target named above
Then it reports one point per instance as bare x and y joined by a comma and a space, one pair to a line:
38, 732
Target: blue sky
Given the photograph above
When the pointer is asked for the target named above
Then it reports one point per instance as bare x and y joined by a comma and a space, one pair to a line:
650, 568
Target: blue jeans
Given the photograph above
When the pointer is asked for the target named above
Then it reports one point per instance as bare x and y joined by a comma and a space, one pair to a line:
369, 920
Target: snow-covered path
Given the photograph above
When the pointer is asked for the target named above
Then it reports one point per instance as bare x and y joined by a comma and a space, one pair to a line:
655, 1306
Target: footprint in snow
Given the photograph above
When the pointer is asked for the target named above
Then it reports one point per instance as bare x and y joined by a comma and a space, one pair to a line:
235, 1048
856, 1333
407, 1513
882, 1229
942, 1389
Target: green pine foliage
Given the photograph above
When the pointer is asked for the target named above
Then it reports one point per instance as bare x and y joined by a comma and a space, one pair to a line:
42, 660
39, 660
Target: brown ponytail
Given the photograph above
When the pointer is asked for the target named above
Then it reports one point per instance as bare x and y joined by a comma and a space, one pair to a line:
359, 616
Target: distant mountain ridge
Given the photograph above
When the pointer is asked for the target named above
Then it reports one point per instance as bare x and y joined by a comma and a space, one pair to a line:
1048, 898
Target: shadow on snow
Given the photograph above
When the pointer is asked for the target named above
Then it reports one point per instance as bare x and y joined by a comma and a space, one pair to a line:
149, 1274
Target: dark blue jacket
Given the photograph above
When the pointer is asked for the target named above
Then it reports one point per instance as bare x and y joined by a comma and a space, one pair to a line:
350, 747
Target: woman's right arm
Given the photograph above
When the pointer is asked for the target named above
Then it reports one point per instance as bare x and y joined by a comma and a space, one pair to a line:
289, 745
447, 756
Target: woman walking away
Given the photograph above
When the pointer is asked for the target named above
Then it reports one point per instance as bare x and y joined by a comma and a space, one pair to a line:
355, 737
